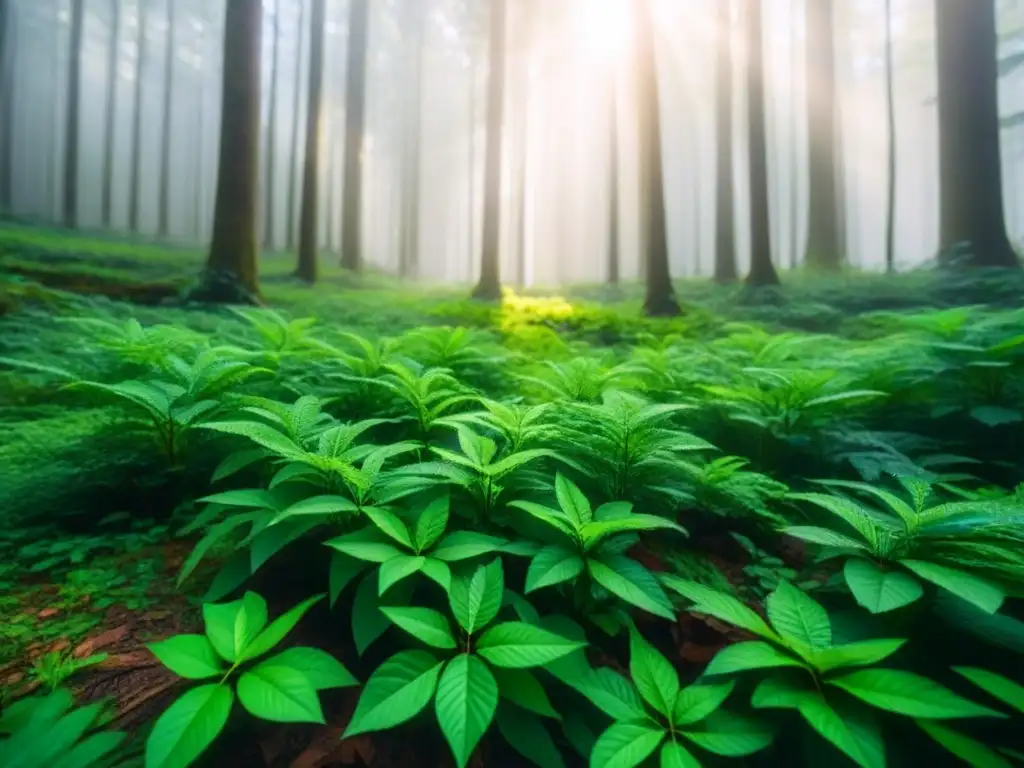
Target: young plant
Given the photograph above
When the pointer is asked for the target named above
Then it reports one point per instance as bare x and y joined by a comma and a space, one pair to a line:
521, 426
581, 380
282, 688
53, 668
724, 487
489, 662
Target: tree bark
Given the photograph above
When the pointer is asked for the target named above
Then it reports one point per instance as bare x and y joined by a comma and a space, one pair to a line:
971, 189
74, 107
762, 270
309, 225
135, 192
231, 268
293, 165
7, 85
890, 109
355, 124
659, 295
110, 122
725, 207
269, 176
409, 243
489, 286
824, 242
613, 190
168, 113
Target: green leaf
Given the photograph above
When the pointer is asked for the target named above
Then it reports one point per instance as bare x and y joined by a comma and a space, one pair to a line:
977, 591
553, 518
1002, 688
860, 654
188, 656
90, 750
553, 565
519, 645
523, 689
824, 537
467, 697
424, 624
368, 622
256, 498
782, 691
343, 570
724, 607
397, 691
797, 617
317, 506
279, 694
625, 745
527, 735
573, 503
629, 581
366, 545
674, 755
278, 629
261, 434
613, 694
431, 524
696, 702
390, 524
852, 731
594, 533
397, 568
731, 735
995, 416
476, 599
971, 751
653, 675
877, 590
236, 462
188, 726
232, 626
754, 654
578, 733
908, 694
213, 536
320, 668
438, 572
463, 545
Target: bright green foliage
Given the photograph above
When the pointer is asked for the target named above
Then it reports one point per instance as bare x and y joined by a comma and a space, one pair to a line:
53, 668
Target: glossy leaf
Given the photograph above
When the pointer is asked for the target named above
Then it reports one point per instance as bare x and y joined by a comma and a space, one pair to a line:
189, 656
553, 565
519, 645
523, 689
652, 674
188, 726
626, 745
977, 591
431, 524
798, 618
397, 691
753, 654
697, 701
463, 545
280, 694
906, 693
877, 590
396, 569
320, 668
476, 599
467, 697
279, 629
630, 581
424, 624
232, 626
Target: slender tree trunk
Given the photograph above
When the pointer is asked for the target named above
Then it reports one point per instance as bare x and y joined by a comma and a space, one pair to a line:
293, 165
308, 226
824, 242
409, 242
890, 108
74, 107
110, 122
797, 246
231, 268
613, 190
762, 270
659, 295
7, 85
471, 190
355, 124
135, 193
271, 152
725, 208
971, 188
165, 145
489, 286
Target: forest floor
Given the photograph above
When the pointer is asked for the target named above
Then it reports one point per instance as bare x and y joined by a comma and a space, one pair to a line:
91, 518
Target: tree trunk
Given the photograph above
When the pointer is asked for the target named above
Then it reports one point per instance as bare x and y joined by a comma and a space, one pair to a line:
74, 107
409, 243
824, 243
970, 185
614, 272
293, 165
471, 185
489, 286
890, 109
725, 208
135, 193
109, 126
168, 112
309, 225
762, 270
355, 124
659, 295
796, 247
231, 268
268, 209
7, 81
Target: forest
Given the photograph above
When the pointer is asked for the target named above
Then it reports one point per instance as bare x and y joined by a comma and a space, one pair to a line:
492, 383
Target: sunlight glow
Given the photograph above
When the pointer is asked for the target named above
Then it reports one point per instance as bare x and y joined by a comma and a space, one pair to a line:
606, 27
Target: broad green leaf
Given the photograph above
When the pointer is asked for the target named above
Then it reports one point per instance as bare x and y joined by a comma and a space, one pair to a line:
553, 565
424, 624
317, 506
527, 735
674, 755
467, 697
613, 510
272, 540
596, 532
1002, 688
859, 654
696, 702
573, 503
854, 732
279, 694
212, 537
519, 645
431, 524
994, 415
906, 693
397, 691
877, 590
971, 751
612, 693
977, 591
523, 689
753, 654
797, 617
824, 537
342, 571
626, 745
551, 517
397, 568
782, 691
463, 545
476, 599
232, 626
368, 622
652, 674
719, 605
366, 545
247, 497
320, 668
236, 462
90, 750
629, 581
278, 629
261, 434
438, 572
730, 735
188, 656
390, 524
188, 726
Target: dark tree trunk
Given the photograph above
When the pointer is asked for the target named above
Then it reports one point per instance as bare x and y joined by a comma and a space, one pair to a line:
659, 295
355, 123
7, 80
762, 270
135, 192
293, 165
74, 107
613, 191
409, 243
890, 109
308, 224
971, 188
269, 176
110, 122
231, 268
489, 286
168, 113
824, 242
725, 207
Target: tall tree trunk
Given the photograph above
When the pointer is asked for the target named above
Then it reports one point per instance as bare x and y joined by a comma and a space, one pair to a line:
489, 286
7, 81
659, 295
796, 247
170, 56
309, 225
231, 268
614, 272
762, 270
824, 243
268, 195
74, 107
725, 208
471, 181
293, 165
355, 124
890, 109
409, 242
971, 188
110, 122
135, 192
